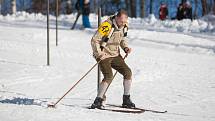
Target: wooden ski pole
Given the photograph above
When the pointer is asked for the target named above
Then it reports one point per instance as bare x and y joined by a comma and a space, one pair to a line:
53, 105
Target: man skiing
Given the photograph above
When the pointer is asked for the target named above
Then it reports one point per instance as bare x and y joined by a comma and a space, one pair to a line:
106, 43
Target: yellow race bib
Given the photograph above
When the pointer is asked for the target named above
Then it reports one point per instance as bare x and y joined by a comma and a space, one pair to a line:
104, 28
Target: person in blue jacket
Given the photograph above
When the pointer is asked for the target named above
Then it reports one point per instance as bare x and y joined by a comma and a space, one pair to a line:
83, 7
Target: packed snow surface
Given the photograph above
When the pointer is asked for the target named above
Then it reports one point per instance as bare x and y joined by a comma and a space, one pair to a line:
173, 65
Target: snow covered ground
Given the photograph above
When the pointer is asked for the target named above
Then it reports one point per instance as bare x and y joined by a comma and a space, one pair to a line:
173, 70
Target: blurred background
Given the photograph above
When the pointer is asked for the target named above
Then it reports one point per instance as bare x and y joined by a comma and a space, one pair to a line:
135, 8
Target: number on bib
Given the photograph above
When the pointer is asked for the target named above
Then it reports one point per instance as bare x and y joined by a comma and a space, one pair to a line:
104, 28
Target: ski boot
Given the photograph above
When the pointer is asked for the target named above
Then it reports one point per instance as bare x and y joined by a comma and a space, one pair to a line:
97, 103
127, 103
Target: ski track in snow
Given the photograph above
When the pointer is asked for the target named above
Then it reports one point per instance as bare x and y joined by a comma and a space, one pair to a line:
172, 71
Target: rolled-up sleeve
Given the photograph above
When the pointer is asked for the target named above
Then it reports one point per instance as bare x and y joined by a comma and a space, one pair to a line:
124, 42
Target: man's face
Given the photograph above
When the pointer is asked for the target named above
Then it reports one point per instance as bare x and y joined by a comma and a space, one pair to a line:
121, 20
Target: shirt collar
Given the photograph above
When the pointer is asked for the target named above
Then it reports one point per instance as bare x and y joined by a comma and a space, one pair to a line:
116, 26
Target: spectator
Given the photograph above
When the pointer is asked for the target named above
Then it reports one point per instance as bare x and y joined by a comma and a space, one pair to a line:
180, 12
184, 11
163, 11
83, 7
188, 10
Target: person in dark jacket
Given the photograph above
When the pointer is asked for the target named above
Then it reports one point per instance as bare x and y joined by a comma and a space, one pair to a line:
83, 7
187, 10
163, 11
184, 11
180, 12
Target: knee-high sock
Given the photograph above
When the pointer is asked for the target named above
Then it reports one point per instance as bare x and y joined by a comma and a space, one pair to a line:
102, 88
127, 86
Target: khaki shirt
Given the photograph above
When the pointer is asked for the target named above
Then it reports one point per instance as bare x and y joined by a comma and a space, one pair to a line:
115, 41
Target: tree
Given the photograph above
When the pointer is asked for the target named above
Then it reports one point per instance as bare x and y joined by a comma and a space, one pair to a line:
59, 6
13, 5
183, 1
204, 7
128, 7
0, 6
195, 10
214, 8
95, 6
133, 8
151, 6
142, 8
210, 6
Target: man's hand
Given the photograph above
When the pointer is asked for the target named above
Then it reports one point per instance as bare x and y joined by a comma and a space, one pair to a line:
102, 56
127, 50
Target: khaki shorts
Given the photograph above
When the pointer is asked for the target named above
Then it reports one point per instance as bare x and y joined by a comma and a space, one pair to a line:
116, 63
